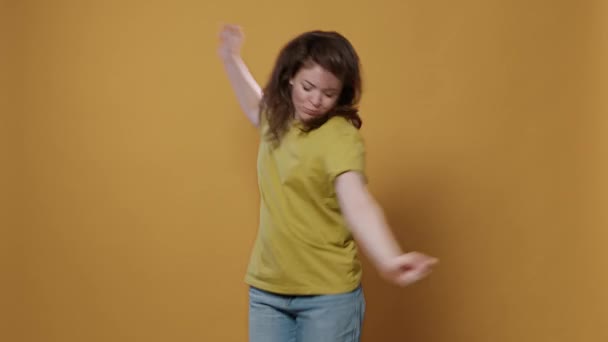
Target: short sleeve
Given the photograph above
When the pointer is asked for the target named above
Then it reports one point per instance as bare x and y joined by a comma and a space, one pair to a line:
345, 151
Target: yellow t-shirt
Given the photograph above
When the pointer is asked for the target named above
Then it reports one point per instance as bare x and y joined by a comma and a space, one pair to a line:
303, 246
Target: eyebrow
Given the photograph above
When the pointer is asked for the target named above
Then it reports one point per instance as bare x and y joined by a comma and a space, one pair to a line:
313, 85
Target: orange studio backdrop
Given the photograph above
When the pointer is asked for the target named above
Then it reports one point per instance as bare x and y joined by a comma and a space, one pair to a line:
129, 196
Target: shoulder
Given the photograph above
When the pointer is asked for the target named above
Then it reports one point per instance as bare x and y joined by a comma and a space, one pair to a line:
339, 137
339, 126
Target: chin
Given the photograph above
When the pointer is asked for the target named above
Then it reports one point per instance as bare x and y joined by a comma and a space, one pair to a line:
308, 117
304, 117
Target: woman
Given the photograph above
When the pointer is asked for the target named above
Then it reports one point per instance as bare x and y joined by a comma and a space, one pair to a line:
304, 273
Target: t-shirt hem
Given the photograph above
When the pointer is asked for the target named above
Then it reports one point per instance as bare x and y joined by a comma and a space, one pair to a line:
301, 290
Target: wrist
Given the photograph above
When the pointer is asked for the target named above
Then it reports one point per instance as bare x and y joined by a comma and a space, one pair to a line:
229, 56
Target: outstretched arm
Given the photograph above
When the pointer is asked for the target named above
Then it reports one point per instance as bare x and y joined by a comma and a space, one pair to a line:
247, 90
366, 220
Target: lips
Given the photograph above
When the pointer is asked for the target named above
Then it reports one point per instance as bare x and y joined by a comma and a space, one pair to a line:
311, 112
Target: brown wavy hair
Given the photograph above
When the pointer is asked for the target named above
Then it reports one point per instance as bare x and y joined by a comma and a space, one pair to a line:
334, 53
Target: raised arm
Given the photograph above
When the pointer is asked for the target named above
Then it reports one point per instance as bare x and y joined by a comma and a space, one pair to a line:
368, 225
247, 90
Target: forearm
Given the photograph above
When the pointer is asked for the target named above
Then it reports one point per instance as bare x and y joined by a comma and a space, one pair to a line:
366, 221
246, 89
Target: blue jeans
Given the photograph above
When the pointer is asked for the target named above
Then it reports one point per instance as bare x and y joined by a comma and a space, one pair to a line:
326, 318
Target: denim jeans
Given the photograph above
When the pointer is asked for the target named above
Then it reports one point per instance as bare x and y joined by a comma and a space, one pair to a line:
324, 318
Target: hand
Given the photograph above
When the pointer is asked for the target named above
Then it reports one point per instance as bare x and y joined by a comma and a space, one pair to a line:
408, 268
231, 40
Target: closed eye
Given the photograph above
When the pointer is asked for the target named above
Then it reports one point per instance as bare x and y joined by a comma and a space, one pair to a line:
307, 86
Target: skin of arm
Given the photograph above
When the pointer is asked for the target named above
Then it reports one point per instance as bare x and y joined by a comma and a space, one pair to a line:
366, 220
248, 92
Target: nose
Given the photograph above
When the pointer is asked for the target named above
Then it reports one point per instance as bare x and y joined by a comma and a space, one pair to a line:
315, 99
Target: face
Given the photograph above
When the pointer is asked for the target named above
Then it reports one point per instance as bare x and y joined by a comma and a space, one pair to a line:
314, 92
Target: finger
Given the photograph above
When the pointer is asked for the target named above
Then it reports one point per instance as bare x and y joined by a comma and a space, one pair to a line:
432, 262
408, 278
234, 29
227, 34
413, 262
419, 258
413, 276
409, 260
237, 32
225, 27
224, 31
426, 267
